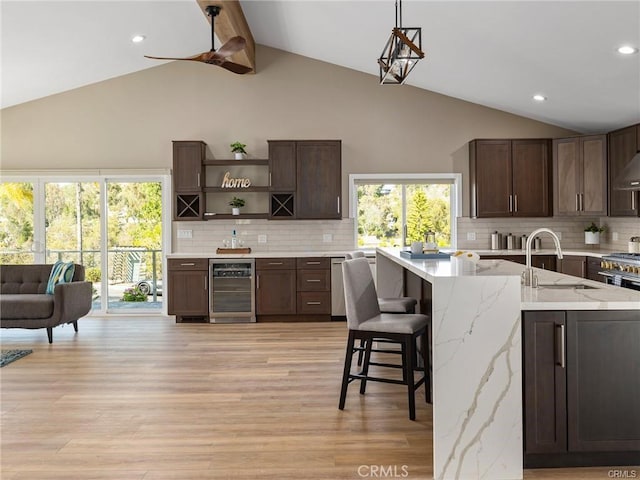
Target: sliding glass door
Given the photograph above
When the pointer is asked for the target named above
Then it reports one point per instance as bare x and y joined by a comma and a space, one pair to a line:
112, 226
72, 228
134, 245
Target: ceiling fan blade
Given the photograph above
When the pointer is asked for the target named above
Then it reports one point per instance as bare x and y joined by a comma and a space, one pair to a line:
235, 67
233, 45
201, 57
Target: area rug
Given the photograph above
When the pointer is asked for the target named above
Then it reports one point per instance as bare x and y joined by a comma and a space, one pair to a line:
8, 356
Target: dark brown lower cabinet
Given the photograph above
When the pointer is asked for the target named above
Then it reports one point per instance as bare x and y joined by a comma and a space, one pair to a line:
603, 381
545, 386
546, 262
275, 286
575, 265
293, 290
188, 289
314, 287
581, 388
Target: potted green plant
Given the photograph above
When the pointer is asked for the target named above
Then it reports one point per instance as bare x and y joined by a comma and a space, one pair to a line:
237, 148
236, 203
592, 234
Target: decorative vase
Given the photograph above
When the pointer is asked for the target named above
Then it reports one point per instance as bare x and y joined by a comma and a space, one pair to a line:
239, 155
235, 211
592, 238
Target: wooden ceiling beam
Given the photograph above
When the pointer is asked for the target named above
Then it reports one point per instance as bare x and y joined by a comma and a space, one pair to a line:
231, 22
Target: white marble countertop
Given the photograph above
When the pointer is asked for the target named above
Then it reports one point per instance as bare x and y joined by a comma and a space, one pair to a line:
340, 253
599, 297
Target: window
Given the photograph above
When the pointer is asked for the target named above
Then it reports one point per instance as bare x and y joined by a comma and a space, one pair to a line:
16, 222
393, 210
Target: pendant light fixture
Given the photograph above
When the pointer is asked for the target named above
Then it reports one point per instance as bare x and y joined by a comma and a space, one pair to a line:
401, 52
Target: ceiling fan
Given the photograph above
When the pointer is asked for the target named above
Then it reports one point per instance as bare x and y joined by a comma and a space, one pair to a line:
220, 56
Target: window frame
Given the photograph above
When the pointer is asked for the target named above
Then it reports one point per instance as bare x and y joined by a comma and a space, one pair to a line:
453, 179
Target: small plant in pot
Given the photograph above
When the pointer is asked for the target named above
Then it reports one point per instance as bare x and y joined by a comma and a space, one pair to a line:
592, 234
236, 203
237, 148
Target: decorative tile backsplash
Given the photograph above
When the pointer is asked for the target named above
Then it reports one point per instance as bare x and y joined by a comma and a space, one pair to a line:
570, 229
284, 235
338, 235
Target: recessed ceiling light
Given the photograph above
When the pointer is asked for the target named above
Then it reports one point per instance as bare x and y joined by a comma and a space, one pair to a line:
137, 38
539, 98
627, 50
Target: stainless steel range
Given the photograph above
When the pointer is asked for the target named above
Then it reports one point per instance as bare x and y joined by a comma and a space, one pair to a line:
622, 269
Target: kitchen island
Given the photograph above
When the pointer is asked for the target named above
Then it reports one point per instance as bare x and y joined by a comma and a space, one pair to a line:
476, 341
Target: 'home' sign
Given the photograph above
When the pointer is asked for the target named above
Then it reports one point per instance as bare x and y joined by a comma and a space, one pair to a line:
228, 182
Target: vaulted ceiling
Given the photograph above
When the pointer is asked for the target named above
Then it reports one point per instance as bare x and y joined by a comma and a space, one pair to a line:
494, 53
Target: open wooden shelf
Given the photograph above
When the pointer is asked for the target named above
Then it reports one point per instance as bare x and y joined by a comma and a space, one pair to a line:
223, 190
223, 163
228, 216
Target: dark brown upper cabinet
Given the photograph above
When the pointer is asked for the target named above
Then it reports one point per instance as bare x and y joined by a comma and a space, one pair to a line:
319, 179
623, 145
282, 165
188, 180
306, 179
580, 176
510, 178
187, 166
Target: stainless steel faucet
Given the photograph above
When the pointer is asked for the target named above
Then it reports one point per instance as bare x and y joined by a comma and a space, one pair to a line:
528, 278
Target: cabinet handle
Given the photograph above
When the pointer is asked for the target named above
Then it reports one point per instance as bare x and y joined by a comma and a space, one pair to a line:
313, 263
542, 266
338, 198
276, 263
633, 200
511, 203
205, 282
577, 202
313, 280
560, 348
258, 281
515, 203
314, 303
269, 178
198, 174
187, 264
582, 202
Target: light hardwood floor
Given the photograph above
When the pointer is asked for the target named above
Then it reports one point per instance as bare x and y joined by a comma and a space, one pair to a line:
149, 399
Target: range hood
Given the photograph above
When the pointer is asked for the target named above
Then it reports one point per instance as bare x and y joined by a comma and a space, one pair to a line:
629, 178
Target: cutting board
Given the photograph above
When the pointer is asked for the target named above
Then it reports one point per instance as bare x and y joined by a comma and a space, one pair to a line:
233, 251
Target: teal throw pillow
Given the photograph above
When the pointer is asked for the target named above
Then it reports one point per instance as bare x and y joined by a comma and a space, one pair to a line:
61, 272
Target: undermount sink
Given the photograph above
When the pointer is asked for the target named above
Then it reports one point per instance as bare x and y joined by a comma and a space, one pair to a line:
567, 286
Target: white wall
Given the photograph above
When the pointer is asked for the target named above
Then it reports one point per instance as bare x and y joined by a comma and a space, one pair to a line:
130, 121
